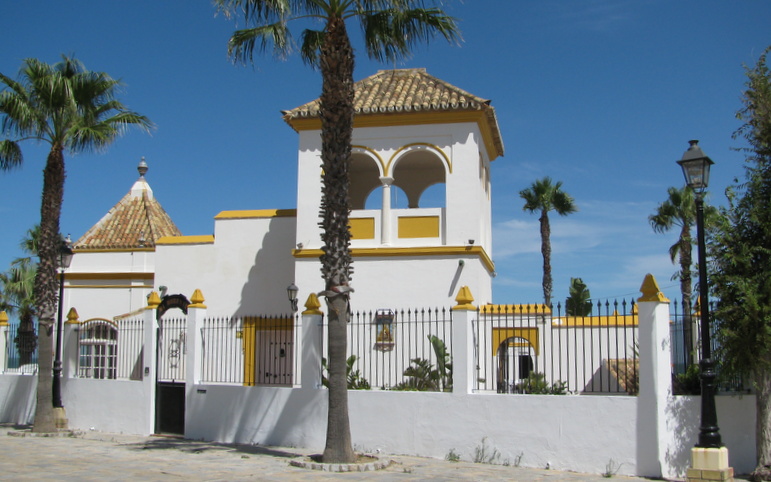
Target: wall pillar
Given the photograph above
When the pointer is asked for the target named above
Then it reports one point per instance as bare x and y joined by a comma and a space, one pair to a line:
310, 364
4, 335
385, 221
70, 346
464, 365
655, 380
150, 357
196, 312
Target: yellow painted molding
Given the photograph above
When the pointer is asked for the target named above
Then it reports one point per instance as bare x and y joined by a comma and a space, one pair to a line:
465, 300
521, 309
72, 316
418, 227
111, 250
432, 147
362, 228
200, 239
196, 301
501, 334
257, 213
312, 305
479, 117
123, 275
615, 320
406, 252
73, 287
650, 290
3, 318
153, 301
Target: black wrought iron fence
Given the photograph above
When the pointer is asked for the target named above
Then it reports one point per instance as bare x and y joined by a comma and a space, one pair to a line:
172, 349
399, 350
531, 349
685, 340
21, 349
110, 349
251, 350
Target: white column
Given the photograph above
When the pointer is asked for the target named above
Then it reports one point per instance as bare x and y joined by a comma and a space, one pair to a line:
463, 316
385, 220
196, 312
4, 328
150, 362
70, 346
310, 364
655, 380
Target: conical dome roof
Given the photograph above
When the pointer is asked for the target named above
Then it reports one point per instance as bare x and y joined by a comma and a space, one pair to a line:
137, 221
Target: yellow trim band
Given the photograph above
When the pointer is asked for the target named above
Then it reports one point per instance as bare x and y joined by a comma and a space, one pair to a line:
90, 276
111, 250
257, 213
200, 239
404, 252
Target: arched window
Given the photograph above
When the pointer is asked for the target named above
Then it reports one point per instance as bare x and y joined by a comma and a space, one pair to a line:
97, 349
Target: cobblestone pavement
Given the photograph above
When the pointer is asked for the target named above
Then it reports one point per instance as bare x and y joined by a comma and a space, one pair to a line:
106, 457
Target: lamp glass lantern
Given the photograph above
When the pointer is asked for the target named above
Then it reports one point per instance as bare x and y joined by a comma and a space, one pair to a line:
696, 166
291, 292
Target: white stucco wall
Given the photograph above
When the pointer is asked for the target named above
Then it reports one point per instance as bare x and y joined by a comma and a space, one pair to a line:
116, 406
245, 271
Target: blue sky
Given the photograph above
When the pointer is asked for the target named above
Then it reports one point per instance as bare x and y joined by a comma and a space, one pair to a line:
600, 94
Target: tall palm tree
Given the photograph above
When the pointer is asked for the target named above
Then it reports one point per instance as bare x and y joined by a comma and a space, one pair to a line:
679, 210
72, 109
390, 28
543, 196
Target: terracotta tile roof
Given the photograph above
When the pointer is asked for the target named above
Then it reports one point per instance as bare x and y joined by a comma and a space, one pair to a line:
405, 92
137, 221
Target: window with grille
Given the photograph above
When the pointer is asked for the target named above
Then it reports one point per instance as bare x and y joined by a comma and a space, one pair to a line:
98, 347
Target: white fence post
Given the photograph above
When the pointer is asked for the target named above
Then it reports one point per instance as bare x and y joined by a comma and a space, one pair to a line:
70, 345
310, 365
655, 380
4, 328
464, 365
150, 357
196, 312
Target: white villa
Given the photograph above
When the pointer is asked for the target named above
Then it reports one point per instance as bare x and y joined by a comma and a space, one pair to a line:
195, 335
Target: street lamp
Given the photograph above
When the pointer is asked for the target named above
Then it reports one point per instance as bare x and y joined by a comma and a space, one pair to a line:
291, 292
696, 167
65, 258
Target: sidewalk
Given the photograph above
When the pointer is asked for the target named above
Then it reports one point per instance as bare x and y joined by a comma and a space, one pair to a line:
103, 456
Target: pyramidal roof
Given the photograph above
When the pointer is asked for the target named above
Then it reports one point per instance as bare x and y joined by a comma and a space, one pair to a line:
137, 221
408, 91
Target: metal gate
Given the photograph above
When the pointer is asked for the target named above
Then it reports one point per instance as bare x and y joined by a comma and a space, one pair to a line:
170, 379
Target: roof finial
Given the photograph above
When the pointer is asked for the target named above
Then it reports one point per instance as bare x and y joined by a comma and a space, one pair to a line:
142, 167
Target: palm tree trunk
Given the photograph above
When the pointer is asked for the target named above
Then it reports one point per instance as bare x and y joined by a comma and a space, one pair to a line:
336, 133
46, 285
546, 252
686, 290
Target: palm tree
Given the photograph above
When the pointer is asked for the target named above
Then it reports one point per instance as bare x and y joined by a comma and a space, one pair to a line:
71, 109
579, 303
543, 196
17, 297
679, 210
390, 28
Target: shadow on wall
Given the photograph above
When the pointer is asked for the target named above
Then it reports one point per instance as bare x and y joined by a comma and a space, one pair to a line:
272, 271
683, 413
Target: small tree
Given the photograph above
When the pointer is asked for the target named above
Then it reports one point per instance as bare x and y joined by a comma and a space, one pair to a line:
579, 302
742, 262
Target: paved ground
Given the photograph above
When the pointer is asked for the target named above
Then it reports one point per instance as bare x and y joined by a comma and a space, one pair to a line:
106, 457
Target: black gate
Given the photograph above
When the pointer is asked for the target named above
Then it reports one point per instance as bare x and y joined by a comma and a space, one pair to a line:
170, 380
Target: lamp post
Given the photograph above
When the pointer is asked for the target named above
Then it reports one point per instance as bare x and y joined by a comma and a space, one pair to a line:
291, 292
65, 258
696, 167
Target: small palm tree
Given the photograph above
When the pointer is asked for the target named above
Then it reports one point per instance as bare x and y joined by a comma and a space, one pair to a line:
543, 196
579, 303
17, 296
390, 28
679, 210
71, 109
